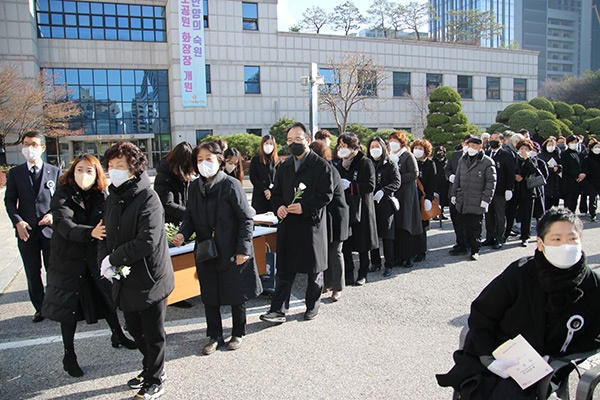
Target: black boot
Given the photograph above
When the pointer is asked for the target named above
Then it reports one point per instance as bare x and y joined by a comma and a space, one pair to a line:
70, 364
118, 338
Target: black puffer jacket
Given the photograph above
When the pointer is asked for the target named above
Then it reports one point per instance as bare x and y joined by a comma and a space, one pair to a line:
135, 237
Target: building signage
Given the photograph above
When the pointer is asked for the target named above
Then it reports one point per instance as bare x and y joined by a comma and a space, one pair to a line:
192, 53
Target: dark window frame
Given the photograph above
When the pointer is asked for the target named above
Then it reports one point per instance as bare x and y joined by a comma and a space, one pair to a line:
435, 83
519, 95
465, 92
250, 84
249, 22
370, 88
493, 86
401, 89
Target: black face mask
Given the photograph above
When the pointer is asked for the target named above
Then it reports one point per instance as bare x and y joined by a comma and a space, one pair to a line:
297, 149
494, 144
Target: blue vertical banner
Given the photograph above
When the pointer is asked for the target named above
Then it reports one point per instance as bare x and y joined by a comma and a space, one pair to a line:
192, 53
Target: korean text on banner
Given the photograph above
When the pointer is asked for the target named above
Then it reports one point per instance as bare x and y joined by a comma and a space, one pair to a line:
192, 53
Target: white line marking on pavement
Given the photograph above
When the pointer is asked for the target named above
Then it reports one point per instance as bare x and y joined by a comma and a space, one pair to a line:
171, 327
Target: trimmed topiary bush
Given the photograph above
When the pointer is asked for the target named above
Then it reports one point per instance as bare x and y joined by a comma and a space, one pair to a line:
445, 94
549, 127
279, 132
523, 119
563, 110
446, 123
542, 104
247, 143
594, 124
505, 115
543, 114
578, 109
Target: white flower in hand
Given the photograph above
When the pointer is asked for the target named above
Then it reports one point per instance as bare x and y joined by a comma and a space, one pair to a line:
125, 271
302, 186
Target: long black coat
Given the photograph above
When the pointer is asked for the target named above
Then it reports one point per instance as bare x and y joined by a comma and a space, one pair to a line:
302, 238
262, 177
593, 176
338, 217
552, 187
573, 164
73, 274
442, 186
514, 303
409, 216
222, 282
135, 237
361, 175
506, 165
172, 192
387, 178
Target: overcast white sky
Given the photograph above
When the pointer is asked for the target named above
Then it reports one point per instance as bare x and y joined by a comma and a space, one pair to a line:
289, 12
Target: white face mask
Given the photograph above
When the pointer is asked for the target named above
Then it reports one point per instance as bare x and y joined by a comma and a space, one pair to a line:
574, 146
376, 152
85, 181
229, 168
472, 152
532, 154
328, 142
208, 169
596, 150
394, 146
465, 149
268, 148
550, 149
344, 152
563, 256
418, 153
32, 153
118, 176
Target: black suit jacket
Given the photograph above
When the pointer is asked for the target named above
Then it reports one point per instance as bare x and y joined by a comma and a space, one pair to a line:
505, 170
21, 201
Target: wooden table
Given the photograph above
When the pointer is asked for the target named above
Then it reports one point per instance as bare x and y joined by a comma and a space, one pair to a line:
187, 284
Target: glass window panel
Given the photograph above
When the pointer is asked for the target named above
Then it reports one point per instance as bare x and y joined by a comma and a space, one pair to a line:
56, 5
249, 10
148, 11
72, 76
42, 5
127, 77
111, 34
98, 34
58, 32
57, 19
83, 7
114, 77
140, 77
97, 21
465, 86
100, 92
124, 34
110, 22
148, 23
70, 6
162, 78
160, 24
493, 88
123, 22
85, 33
71, 33
70, 19
87, 93
85, 77
250, 26
43, 18
73, 92
136, 23
161, 36
135, 10
122, 9
99, 76
159, 12
127, 108
57, 74
148, 36
96, 8
84, 20
44, 31
110, 9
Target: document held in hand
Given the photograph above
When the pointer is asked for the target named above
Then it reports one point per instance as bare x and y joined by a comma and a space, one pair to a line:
531, 367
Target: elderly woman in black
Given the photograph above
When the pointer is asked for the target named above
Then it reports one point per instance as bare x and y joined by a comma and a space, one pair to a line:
358, 180
218, 211
75, 291
536, 297
135, 256
550, 154
262, 174
421, 149
387, 181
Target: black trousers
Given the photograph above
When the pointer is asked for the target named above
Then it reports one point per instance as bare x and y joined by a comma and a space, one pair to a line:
389, 253
571, 200
470, 227
334, 274
511, 214
495, 219
525, 215
363, 268
214, 323
32, 251
284, 280
421, 240
148, 330
454, 214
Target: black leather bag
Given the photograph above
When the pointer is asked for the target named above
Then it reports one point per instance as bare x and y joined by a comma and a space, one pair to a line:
355, 208
535, 181
206, 250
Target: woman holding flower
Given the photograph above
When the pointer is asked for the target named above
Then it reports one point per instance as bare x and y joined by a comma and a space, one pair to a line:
136, 238
75, 291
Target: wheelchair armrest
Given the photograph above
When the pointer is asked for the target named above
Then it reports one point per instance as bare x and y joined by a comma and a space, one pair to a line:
587, 383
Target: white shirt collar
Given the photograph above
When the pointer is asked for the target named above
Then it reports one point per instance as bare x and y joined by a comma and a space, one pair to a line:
37, 164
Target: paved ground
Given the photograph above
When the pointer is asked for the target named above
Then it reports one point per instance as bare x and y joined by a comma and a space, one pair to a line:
385, 340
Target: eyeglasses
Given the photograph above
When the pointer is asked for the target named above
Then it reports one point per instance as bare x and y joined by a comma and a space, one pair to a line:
299, 139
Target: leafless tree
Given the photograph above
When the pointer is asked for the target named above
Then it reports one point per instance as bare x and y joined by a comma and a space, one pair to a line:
314, 19
420, 101
347, 17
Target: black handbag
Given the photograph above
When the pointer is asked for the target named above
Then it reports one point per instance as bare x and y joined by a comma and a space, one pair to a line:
207, 249
535, 181
354, 206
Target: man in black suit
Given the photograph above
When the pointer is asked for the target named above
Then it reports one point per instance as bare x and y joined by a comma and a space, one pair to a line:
495, 218
29, 188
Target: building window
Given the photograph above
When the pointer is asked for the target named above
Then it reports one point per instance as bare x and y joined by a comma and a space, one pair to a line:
250, 16
464, 86
433, 80
202, 133
520, 89
401, 84
251, 79
114, 101
493, 88
205, 11
257, 131
100, 21
367, 83
208, 88
332, 80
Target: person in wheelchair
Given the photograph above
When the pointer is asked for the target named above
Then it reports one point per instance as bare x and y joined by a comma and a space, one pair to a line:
550, 298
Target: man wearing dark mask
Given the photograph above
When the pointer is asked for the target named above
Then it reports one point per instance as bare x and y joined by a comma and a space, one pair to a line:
495, 218
472, 194
302, 189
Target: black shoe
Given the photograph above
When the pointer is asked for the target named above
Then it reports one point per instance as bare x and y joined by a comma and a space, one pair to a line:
150, 392
489, 243
523, 243
443, 217
311, 314
182, 304
37, 317
457, 252
592, 218
70, 364
474, 257
138, 381
273, 317
387, 272
119, 339
375, 268
409, 263
419, 258
497, 246
212, 345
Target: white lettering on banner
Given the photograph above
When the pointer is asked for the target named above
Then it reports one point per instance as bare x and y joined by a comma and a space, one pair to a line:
191, 53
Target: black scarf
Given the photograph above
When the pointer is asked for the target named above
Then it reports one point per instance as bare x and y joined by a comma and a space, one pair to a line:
561, 285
